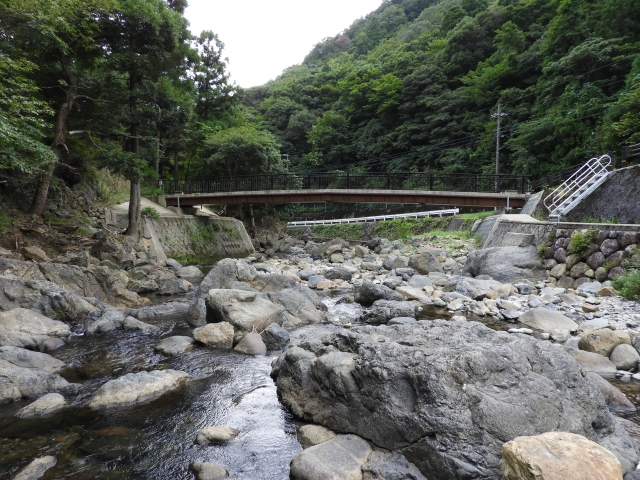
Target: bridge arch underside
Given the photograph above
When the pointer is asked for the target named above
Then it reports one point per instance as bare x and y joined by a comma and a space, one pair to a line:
505, 199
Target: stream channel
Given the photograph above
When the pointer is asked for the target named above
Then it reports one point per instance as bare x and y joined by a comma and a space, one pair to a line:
156, 440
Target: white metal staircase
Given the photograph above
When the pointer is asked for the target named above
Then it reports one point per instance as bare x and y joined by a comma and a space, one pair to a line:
579, 186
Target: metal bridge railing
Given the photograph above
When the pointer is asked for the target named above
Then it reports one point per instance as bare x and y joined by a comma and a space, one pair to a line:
376, 218
374, 181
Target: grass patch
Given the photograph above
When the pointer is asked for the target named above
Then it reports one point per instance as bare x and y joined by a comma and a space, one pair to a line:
403, 229
628, 285
150, 212
5, 222
114, 188
476, 215
348, 231
580, 242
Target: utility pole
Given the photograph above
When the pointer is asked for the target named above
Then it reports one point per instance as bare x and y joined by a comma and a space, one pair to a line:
498, 115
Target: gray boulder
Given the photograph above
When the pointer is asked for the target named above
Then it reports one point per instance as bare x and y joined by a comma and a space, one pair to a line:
172, 286
625, 357
506, 264
424, 263
594, 362
215, 334
111, 319
17, 382
168, 310
131, 323
616, 400
433, 383
369, 292
208, 471
340, 457
390, 466
134, 388
275, 337
251, 344
306, 273
175, 345
216, 435
301, 302
544, 319
28, 329
384, 310
23, 358
391, 262
244, 310
173, 264
190, 273
314, 280
474, 288
340, 273
45, 405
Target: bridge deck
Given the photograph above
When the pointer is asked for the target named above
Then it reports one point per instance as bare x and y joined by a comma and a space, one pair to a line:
503, 199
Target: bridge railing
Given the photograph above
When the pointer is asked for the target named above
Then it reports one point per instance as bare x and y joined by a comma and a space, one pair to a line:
374, 181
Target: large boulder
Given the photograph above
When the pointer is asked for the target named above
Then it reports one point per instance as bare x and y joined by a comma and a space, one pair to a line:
28, 329
445, 394
594, 362
134, 388
384, 310
21, 357
506, 264
341, 457
603, 340
475, 288
215, 334
338, 273
558, 456
545, 319
424, 263
301, 302
17, 382
36, 468
616, 400
173, 310
223, 273
49, 403
369, 292
175, 345
244, 310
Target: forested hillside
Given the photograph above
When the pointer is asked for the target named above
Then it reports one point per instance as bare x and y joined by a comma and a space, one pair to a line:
413, 86
117, 85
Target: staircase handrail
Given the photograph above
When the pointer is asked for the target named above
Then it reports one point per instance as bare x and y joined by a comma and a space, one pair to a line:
596, 166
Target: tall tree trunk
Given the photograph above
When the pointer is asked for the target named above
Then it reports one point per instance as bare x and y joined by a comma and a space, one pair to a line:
59, 140
133, 229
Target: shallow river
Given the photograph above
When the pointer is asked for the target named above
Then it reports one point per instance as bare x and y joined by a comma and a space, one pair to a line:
156, 440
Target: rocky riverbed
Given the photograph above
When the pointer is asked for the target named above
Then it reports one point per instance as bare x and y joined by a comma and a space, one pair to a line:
417, 359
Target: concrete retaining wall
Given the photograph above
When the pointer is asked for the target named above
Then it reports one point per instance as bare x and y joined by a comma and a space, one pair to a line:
202, 240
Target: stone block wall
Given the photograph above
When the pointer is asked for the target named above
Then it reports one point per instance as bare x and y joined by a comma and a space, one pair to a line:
202, 240
608, 254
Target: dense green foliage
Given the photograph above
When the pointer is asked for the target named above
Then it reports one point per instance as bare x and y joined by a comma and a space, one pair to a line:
581, 241
414, 84
628, 285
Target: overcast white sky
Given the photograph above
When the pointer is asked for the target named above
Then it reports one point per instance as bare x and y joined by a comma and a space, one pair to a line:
263, 37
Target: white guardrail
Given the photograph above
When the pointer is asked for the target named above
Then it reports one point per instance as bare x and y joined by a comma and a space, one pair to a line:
377, 218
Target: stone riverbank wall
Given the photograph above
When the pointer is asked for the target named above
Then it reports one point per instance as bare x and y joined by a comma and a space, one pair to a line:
202, 240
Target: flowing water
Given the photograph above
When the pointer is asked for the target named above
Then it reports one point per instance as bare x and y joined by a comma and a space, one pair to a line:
156, 440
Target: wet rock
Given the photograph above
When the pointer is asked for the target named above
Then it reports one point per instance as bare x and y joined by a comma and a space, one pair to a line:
131, 323
168, 310
35, 253
616, 400
171, 263
558, 455
217, 435
340, 457
506, 264
21, 357
272, 282
244, 310
603, 340
625, 357
175, 345
390, 466
401, 320
543, 319
36, 469
45, 405
17, 382
215, 334
208, 471
51, 344
590, 287
310, 435
251, 344
275, 337
369, 292
28, 329
134, 388
338, 273
434, 382
143, 286
424, 263
594, 362
413, 293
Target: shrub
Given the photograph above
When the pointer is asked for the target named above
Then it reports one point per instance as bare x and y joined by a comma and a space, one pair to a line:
150, 212
580, 242
628, 285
